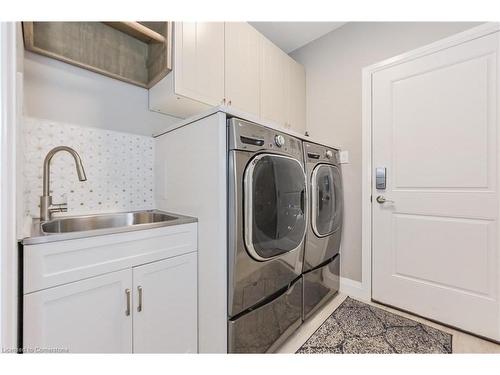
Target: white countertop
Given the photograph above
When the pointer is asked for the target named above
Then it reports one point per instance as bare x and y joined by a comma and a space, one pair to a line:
245, 116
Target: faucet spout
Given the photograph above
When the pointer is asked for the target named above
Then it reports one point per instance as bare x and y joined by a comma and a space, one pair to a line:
46, 206
80, 171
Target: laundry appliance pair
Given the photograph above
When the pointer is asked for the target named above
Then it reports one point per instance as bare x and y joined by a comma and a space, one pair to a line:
285, 213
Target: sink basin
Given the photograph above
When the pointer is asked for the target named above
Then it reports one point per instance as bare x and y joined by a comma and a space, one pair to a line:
106, 221
65, 228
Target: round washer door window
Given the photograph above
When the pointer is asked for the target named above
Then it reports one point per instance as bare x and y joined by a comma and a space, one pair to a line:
326, 199
275, 193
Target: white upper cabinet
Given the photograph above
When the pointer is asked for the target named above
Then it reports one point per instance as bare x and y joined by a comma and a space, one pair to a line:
231, 63
296, 97
196, 82
242, 65
199, 61
283, 85
273, 67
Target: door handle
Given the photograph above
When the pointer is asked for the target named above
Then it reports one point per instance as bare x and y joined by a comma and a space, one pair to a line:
139, 305
127, 294
381, 199
302, 200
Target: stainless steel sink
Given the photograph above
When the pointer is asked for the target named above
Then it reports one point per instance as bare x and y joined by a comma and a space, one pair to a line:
85, 223
72, 227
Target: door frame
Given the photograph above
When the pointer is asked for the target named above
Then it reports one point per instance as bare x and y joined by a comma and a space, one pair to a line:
9, 214
364, 289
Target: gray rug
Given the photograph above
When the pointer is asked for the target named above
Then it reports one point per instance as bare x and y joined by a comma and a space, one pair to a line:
356, 327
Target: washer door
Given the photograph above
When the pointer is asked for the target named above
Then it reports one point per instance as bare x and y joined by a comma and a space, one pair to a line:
275, 221
326, 199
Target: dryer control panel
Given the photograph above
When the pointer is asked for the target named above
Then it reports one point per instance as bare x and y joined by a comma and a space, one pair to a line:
314, 153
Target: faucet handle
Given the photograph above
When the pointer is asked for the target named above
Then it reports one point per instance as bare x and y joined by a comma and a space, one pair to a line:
58, 207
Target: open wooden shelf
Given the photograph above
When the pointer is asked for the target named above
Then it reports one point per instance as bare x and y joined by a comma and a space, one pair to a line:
137, 30
135, 52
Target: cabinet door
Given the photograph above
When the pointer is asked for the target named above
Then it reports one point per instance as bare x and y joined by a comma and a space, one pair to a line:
273, 103
165, 306
242, 65
296, 97
199, 61
88, 316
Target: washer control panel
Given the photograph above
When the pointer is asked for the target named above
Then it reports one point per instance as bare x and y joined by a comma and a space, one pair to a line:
279, 140
248, 136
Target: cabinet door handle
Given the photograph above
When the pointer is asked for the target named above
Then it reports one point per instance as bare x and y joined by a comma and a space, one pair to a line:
127, 294
139, 306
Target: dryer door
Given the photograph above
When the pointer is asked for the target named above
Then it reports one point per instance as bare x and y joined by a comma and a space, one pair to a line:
275, 205
326, 213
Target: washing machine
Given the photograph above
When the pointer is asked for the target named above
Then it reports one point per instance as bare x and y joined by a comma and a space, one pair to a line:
321, 266
267, 222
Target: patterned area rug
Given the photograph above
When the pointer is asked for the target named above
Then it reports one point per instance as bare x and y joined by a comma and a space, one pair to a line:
356, 327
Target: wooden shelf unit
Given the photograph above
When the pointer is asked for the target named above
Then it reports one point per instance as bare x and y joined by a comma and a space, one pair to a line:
133, 52
137, 30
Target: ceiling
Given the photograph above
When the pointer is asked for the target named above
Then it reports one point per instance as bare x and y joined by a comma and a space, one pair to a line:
292, 35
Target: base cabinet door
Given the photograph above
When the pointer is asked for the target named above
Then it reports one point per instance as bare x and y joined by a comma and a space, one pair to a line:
165, 306
88, 316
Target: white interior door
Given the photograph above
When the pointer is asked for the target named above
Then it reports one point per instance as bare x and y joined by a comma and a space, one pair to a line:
165, 306
435, 130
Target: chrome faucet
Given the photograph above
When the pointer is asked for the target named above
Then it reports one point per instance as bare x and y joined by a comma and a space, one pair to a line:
46, 206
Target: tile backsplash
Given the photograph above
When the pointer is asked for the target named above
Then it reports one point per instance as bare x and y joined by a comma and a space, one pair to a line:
119, 168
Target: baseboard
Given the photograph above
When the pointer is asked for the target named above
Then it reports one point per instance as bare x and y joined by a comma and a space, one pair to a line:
354, 289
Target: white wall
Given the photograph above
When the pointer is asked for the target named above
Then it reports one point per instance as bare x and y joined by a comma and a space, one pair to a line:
333, 66
57, 91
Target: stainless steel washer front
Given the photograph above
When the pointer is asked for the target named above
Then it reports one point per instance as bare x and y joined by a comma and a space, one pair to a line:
267, 215
321, 252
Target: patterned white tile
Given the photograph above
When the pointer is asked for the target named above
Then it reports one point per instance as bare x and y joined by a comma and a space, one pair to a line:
119, 168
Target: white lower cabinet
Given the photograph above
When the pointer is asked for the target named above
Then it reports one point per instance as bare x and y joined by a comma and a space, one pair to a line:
165, 306
146, 309
139, 293
87, 316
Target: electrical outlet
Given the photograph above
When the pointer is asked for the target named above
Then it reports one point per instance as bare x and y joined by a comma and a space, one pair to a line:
344, 157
